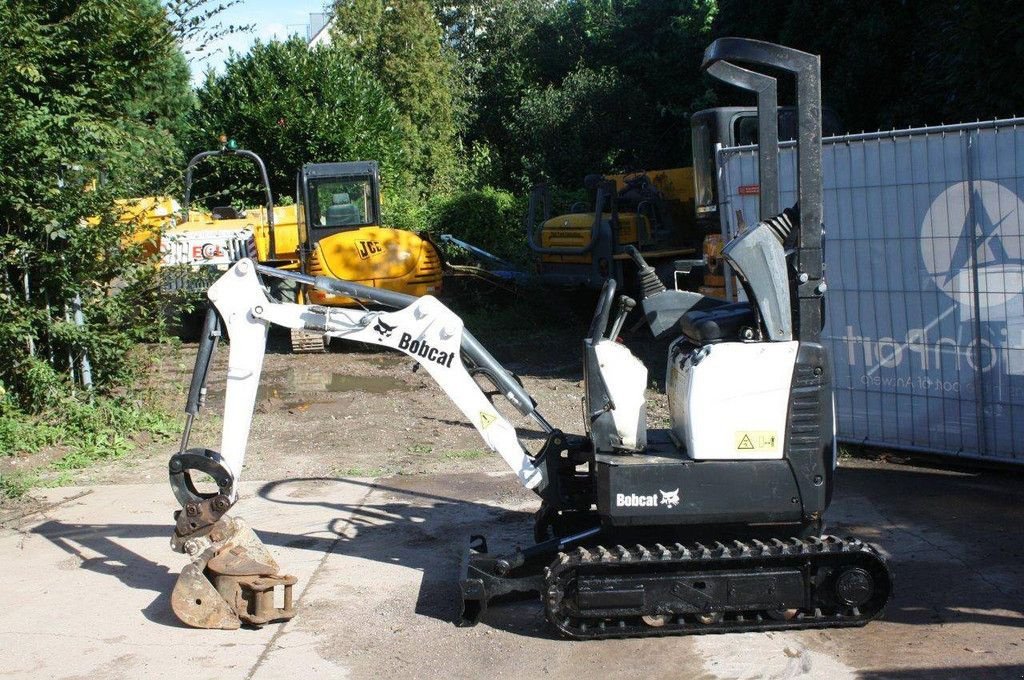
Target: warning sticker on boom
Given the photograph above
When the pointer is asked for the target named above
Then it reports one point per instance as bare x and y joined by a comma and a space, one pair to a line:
486, 419
756, 441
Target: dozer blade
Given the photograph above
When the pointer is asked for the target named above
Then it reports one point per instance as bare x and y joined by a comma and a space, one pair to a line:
232, 582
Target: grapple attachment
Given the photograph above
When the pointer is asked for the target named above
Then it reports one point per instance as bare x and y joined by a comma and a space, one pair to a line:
233, 578
231, 581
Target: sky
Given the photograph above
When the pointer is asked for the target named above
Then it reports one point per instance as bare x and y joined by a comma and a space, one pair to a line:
271, 18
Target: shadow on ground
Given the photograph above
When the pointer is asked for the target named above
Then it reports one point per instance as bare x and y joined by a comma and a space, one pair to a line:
953, 538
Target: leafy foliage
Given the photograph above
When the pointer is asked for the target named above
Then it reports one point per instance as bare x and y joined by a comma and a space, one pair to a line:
488, 218
920, 62
399, 44
92, 97
292, 105
565, 89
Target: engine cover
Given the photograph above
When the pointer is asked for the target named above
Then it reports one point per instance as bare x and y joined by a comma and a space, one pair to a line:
728, 401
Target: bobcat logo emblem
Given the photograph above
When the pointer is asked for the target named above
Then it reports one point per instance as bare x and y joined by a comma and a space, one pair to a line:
383, 330
670, 499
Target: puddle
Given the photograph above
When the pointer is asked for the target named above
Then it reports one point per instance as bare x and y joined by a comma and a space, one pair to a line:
298, 388
361, 383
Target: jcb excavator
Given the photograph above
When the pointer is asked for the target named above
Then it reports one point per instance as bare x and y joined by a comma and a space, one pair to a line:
713, 524
333, 229
340, 236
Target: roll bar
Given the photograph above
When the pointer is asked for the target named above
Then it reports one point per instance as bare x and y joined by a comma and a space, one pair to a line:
766, 89
807, 70
203, 155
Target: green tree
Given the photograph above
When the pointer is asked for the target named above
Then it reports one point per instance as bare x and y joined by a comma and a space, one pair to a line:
292, 105
896, 64
597, 86
494, 41
399, 43
91, 94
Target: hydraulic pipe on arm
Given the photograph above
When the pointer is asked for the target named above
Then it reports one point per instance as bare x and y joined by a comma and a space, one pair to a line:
482, 359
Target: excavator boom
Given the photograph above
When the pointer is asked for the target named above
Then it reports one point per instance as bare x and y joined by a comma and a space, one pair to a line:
228, 558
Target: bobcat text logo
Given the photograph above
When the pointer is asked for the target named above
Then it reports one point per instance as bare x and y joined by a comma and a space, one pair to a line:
421, 349
368, 248
383, 330
669, 499
207, 251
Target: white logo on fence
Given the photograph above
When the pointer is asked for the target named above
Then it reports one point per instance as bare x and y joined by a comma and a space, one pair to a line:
977, 224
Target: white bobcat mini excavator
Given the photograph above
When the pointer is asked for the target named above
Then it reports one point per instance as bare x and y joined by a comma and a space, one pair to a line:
711, 525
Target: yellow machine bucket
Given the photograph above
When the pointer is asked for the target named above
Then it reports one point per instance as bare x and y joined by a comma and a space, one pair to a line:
232, 580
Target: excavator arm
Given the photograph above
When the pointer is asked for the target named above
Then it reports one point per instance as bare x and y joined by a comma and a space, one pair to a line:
233, 577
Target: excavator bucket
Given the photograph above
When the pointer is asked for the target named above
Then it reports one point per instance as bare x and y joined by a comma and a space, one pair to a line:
233, 580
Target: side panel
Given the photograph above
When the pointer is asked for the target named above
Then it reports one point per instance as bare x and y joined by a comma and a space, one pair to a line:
625, 377
810, 429
728, 401
710, 492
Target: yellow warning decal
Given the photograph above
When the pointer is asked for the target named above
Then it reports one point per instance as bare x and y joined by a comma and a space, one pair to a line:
756, 441
486, 419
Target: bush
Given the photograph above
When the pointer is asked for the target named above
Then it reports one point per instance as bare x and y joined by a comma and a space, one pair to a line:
293, 105
488, 218
92, 95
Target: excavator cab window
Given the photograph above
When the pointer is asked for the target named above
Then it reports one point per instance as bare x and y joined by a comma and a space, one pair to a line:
745, 126
341, 202
704, 165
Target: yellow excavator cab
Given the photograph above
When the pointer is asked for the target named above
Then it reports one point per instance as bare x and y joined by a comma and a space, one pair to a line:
340, 234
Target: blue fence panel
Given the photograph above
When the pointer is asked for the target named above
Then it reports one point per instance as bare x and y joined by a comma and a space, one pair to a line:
924, 260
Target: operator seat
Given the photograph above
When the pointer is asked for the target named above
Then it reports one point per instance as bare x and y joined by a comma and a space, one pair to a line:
341, 211
758, 256
722, 324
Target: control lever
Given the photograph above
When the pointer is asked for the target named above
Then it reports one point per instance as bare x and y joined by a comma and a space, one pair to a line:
650, 283
626, 305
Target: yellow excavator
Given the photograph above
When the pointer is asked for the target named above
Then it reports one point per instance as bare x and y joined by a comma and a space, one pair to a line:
669, 216
649, 211
333, 228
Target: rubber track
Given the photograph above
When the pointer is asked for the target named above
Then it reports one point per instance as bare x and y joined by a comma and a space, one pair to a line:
794, 552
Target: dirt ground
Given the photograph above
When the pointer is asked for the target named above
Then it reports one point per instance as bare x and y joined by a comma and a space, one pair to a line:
370, 484
361, 411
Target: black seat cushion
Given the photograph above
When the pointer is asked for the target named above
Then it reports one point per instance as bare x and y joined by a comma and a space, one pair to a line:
717, 325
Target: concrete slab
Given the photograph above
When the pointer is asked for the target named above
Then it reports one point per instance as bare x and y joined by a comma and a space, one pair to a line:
92, 578
378, 565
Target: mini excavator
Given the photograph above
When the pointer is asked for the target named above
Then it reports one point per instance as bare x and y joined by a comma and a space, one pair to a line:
714, 524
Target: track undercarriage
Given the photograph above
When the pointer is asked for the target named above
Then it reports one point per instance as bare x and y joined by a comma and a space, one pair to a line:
606, 591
